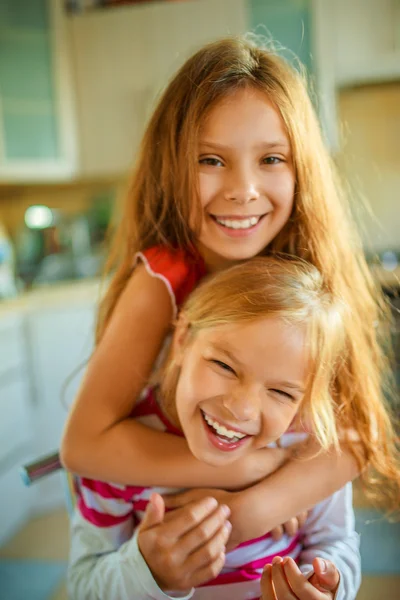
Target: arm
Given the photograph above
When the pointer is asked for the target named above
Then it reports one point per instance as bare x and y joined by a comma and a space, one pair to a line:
99, 570
330, 534
175, 552
330, 552
101, 441
297, 486
291, 490
105, 561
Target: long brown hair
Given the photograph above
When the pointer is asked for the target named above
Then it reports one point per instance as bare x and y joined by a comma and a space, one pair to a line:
163, 191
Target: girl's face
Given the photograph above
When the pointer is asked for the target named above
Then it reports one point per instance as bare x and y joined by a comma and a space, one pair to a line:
239, 387
246, 178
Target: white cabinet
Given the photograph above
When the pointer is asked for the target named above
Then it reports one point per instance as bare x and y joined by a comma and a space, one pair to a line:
16, 423
37, 122
122, 57
45, 343
355, 42
60, 341
367, 40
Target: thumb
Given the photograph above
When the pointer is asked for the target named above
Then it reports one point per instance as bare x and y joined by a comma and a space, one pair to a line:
154, 514
326, 576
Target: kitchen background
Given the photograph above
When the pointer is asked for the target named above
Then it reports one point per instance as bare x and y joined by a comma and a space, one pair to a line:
77, 81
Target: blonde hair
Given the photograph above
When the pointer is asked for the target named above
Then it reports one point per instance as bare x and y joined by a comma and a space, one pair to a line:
164, 187
289, 289
293, 290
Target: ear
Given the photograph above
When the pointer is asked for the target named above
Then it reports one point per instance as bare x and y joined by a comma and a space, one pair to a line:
180, 338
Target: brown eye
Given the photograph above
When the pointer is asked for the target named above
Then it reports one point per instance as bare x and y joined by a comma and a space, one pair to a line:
210, 161
272, 160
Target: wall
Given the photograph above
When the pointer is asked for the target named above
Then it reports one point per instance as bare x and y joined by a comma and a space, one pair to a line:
370, 159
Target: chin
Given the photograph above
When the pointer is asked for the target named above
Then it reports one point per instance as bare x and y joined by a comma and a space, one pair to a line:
215, 459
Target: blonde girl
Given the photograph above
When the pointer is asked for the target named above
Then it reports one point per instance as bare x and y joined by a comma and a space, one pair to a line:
254, 355
232, 165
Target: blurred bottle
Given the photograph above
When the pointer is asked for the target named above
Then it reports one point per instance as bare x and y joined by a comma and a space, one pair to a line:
8, 288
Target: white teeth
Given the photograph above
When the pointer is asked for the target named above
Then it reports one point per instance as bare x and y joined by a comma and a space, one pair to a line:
221, 430
238, 223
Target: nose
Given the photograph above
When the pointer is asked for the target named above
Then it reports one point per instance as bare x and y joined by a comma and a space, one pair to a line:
241, 185
243, 404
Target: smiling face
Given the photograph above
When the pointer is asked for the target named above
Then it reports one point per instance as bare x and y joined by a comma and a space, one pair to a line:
239, 386
246, 178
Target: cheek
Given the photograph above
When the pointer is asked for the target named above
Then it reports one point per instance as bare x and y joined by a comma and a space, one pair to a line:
208, 187
278, 418
283, 187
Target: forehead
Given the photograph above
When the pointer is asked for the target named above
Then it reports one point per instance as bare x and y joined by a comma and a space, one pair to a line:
254, 117
266, 347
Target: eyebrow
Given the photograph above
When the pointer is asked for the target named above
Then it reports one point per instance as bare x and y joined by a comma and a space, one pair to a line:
227, 353
262, 145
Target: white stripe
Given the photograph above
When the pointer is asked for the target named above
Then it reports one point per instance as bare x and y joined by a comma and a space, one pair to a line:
163, 491
245, 590
241, 556
115, 507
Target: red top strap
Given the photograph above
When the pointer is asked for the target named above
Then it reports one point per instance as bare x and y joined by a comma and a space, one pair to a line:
179, 270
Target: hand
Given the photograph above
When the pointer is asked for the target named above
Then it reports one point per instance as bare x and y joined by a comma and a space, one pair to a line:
243, 529
291, 527
283, 580
187, 546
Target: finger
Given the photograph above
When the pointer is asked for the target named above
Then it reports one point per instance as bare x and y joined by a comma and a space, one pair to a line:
154, 513
205, 531
267, 590
300, 586
277, 533
302, 518
326, 573
291, 527
279, 581
209, 572
188, 518
208, 553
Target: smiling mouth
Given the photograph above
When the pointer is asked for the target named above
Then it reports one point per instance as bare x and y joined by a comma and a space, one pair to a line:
231, 436
238, 223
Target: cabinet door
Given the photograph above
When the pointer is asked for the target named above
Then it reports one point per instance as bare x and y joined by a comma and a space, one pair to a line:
367, 40
60, 341
16, 427
36, 121
16, 424
113, 76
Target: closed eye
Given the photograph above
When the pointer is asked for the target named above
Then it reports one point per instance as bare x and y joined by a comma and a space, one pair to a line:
284, 394
211, 161
223, 365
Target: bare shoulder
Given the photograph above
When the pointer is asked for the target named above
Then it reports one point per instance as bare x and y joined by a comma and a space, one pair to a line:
145, 296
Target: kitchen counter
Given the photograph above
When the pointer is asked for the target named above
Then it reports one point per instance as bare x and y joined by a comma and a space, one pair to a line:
77, 292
